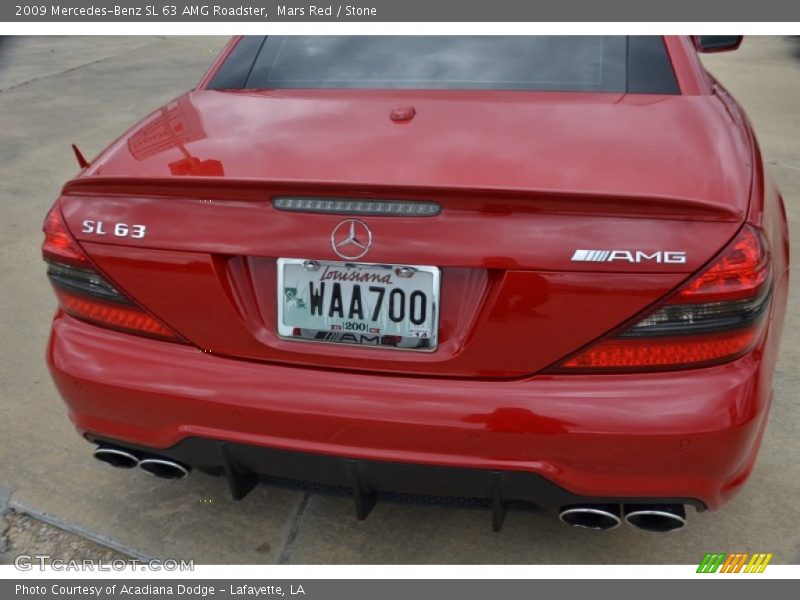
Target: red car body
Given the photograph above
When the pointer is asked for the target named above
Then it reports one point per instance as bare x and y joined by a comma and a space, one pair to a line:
509, 406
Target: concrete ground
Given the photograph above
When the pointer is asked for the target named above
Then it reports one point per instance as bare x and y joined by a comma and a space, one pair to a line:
55, 91
21, 533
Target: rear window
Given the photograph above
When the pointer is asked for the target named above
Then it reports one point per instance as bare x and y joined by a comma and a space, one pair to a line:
540, 63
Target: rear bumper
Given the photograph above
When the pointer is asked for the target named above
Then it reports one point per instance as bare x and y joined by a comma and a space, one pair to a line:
690, 435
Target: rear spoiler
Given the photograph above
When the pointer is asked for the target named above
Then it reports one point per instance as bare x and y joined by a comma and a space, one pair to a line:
493, 200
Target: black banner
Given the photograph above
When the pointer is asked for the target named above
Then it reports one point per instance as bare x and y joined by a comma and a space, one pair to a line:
418, 589
712, 11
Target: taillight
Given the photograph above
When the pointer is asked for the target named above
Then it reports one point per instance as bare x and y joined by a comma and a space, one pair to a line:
59, 246
84, 293
715, 317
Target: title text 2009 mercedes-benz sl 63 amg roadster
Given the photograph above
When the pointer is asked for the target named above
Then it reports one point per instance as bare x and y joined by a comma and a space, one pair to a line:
548, 270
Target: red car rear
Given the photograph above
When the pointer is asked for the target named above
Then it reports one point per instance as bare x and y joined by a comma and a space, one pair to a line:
549, 270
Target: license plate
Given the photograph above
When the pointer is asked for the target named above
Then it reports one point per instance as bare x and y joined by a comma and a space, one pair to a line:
386, 306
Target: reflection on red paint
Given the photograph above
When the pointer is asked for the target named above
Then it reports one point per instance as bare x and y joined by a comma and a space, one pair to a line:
176, 125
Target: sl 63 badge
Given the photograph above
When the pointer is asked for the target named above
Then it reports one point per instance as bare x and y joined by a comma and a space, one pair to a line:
122, 230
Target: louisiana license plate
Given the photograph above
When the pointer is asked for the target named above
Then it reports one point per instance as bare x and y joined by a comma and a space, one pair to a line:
387, 306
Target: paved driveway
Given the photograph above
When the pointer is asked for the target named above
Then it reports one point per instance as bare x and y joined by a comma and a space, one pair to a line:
55, 91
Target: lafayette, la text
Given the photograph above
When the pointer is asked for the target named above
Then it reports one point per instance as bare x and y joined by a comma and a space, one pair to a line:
148, 589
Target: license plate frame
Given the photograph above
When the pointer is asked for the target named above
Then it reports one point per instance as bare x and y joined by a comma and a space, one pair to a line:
412, 343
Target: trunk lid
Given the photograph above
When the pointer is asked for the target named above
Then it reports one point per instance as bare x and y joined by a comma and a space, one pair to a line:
534, 188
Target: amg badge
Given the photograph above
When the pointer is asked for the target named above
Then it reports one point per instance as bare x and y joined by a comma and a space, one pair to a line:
633, 256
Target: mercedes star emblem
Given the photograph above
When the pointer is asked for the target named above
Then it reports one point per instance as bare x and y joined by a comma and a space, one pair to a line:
351, 239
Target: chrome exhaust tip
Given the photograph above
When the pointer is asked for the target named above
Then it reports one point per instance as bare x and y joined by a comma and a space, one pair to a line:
116, 457
164, 468
591, 516
660, 518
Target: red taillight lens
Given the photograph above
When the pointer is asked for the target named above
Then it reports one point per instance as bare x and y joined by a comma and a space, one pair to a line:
740, 272
647, 353
84, 293
58, 244
111, 314
715, 317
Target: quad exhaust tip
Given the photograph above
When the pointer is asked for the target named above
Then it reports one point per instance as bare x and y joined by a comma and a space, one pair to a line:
116, 457
592, 516
659, 518
127, 459
164, 468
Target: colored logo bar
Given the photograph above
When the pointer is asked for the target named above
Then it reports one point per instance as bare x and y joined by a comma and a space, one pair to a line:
738, 562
